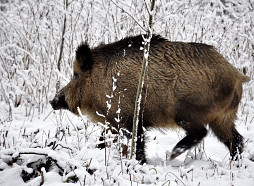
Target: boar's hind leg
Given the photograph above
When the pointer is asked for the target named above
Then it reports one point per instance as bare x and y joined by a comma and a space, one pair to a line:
192, 138
226, 132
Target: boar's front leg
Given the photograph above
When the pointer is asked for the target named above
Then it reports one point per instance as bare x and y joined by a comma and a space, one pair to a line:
140, 146
192, 138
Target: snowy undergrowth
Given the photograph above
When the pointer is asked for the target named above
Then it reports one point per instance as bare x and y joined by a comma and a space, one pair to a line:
40, 146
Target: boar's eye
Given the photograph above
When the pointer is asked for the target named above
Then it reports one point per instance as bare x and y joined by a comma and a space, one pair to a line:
75, 75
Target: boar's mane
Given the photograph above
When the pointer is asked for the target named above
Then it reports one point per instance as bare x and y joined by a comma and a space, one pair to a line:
129, 44
132, 43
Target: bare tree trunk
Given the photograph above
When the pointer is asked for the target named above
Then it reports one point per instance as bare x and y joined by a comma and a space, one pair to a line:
147, 40
61, 46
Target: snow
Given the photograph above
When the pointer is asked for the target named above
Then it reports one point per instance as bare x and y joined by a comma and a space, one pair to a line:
11, 176
208, 164
59, 148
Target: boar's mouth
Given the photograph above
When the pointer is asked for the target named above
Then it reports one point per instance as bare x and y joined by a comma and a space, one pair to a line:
59, 103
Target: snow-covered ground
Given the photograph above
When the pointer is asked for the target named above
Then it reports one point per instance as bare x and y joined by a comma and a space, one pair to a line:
60, 149
55, 148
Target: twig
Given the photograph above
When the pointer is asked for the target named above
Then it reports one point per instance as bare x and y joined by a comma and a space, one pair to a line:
48, 115
42, 175
129, 15
175, 176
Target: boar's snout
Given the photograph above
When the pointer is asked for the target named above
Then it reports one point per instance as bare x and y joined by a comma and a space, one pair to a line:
59, 102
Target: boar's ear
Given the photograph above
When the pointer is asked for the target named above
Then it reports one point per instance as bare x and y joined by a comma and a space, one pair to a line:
83, 57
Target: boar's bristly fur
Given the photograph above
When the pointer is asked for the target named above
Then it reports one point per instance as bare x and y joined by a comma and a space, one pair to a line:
189, 85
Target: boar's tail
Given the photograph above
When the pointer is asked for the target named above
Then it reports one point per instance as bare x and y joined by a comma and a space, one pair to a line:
245, 79
238, 91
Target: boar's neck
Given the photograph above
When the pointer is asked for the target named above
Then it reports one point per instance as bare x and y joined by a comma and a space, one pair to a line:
104, 80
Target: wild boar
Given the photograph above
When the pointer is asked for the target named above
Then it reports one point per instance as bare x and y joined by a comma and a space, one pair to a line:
189, 85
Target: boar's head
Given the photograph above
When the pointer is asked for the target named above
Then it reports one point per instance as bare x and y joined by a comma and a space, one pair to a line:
77, 92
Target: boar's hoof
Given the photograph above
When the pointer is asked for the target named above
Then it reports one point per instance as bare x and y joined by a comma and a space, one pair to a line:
236, 151
190, 140
176, 152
